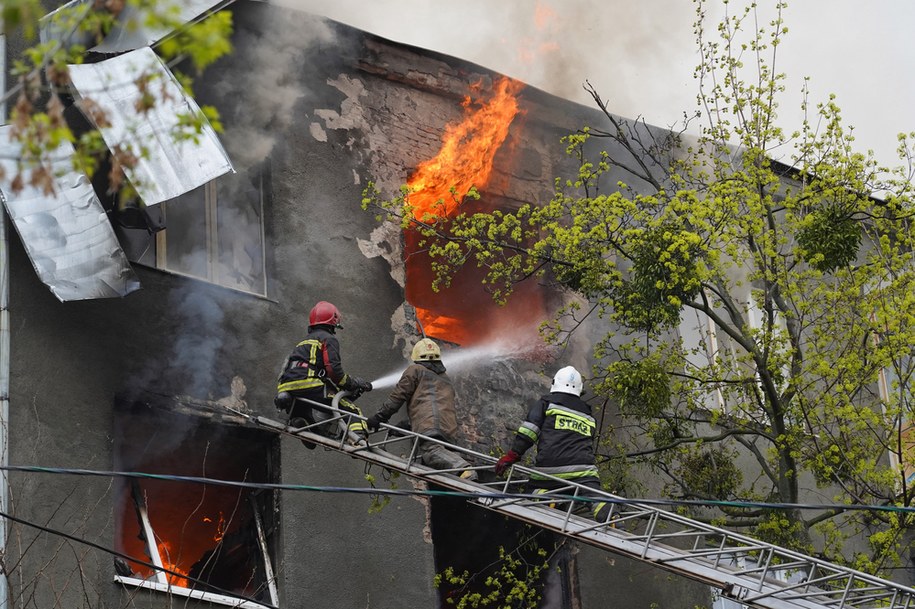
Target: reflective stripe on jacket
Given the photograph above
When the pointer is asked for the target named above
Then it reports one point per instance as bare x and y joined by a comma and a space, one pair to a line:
314, 362
561, 426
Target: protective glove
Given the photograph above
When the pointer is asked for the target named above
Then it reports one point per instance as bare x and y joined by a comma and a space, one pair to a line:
373, 422
506, 460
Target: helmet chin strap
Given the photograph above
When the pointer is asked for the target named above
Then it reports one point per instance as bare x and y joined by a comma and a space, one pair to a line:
420, 324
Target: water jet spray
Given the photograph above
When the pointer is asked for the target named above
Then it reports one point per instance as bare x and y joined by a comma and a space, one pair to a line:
459, 359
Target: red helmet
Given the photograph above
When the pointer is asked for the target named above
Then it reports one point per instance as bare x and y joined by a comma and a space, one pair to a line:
324, 313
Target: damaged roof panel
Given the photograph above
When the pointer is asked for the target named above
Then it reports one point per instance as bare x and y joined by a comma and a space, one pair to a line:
130, 31
63, 24
66, 235
166, 167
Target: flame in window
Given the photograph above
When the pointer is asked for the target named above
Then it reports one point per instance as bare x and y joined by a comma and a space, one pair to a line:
471, 148
170, 562
220, 527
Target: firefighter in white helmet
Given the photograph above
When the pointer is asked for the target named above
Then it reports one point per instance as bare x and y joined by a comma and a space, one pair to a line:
561, 425
428, 392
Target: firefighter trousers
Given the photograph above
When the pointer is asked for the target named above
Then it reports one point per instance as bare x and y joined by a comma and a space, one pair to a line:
316, 414
599, 510
437, 456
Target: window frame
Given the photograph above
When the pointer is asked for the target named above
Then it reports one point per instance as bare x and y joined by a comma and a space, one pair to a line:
161, 582
211, 218
157, 239
906, 428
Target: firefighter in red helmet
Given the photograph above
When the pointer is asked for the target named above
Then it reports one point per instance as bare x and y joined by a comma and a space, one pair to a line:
313, 371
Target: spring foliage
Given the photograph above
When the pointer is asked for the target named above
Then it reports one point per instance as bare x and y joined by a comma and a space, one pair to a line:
756, 316
41, 82
514, 580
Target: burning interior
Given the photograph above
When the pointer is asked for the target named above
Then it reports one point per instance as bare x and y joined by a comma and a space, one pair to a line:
215, 538
476, 152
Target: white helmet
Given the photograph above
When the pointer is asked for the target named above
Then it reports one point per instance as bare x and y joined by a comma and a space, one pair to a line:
567, 380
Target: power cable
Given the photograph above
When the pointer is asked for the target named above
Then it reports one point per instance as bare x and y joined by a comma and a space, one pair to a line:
460, 494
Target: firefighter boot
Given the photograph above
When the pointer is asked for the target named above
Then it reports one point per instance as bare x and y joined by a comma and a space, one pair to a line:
298, 423
470, 475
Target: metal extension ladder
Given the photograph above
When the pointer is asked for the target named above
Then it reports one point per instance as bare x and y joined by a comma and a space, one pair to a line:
744, 569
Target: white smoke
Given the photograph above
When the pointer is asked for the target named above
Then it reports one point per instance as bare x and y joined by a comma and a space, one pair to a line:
459, 360
271, 85
640, 55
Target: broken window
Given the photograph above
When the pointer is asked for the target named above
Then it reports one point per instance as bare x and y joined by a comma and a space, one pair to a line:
214, 232
893, 391
216, 540
699, 340
478, 551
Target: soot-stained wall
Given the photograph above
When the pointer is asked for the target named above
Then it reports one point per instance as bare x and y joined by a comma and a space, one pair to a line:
325, 109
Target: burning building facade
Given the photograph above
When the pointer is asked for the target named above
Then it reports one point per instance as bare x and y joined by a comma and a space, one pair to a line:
313, 111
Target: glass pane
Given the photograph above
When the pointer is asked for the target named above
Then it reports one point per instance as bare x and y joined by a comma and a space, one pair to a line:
186, 234
135, 228
240, 262
138, 244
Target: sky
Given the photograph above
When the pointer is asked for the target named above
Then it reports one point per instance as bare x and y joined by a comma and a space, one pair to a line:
640, 55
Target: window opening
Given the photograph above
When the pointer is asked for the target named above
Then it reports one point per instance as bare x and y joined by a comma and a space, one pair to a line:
699, 340
889, 387
468, 538
218, 538
214, 233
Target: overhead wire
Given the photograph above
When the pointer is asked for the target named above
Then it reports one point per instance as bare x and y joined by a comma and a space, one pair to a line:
368, 491
460, 494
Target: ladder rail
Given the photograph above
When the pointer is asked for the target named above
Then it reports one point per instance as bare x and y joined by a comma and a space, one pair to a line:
640, 530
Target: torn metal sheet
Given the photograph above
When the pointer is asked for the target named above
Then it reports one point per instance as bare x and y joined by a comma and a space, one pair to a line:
131, 30
67, 234
167, 167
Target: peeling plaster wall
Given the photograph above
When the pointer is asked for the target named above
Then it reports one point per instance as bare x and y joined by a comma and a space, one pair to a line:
326, 109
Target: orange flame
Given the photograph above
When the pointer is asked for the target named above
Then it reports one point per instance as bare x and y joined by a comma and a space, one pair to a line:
463, 313
220, 528
466, 156
165, 553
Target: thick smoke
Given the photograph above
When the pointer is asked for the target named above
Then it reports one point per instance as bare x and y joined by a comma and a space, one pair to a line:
639, 56
270, 88
199, 345
188, 364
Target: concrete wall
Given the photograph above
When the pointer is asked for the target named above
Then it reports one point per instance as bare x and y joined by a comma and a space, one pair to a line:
326, 108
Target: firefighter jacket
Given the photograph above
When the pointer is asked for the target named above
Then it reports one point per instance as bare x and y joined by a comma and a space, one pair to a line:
429, 395
561, 426
314, 363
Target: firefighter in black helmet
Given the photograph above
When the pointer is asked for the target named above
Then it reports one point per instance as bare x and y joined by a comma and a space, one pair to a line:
313, 371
